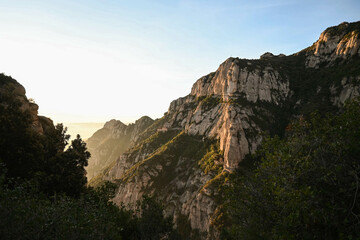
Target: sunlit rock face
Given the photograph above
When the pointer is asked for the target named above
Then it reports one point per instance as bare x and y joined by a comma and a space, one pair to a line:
108, 143
335, 44
220, 106
226, 121
232, 107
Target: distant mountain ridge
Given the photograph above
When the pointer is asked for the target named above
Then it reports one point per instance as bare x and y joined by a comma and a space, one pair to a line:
108, 143
183, 156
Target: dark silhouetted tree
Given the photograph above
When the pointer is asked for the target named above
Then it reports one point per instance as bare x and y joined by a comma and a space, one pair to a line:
21, 148
152, 224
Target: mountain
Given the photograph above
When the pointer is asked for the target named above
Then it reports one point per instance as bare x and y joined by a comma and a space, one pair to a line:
108, 143
183, 156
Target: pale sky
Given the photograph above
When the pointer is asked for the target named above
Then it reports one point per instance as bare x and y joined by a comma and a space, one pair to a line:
91, 61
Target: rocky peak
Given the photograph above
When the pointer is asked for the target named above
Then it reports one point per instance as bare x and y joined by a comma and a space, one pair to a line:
144, 120
268, 55
112, 124
336, 43
239, 77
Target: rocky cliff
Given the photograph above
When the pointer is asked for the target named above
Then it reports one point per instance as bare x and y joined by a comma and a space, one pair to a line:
183, 156
9, 87
108, 143
335, 44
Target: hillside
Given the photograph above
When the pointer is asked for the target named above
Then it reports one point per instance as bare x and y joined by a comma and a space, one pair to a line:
109, 142
182, 156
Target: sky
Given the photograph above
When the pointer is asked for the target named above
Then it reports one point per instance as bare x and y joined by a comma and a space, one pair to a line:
96, 60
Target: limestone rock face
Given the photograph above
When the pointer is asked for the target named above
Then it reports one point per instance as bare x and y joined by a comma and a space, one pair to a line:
182, 194
108, 143
349, 89
176, 179
220, 106
335, 43
233, 80
231, 107
225, 120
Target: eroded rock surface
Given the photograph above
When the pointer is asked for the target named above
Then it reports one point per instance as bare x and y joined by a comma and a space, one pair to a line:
231, 107
335, 43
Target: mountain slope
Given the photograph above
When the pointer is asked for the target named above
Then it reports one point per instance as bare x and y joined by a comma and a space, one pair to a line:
108, 143
184, 155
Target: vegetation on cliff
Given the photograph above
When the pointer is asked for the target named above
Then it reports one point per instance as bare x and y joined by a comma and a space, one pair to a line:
304, 186
302, 182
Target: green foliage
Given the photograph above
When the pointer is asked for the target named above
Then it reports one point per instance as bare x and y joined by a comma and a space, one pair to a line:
152, 129
208, 162
98, 179
21, 148
26, 213
304, 187
182, 145
42, 158
342, 28
209, 102
48, 199
156, 140
266, 115
43, 193
152, 223
63, 171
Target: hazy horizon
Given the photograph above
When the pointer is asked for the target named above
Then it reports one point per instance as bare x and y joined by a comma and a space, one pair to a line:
85, 129
92, 61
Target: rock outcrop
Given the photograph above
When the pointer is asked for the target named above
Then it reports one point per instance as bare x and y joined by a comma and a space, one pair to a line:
270, 55
213, 107
10, 87
335, 44
184, 156
349, 89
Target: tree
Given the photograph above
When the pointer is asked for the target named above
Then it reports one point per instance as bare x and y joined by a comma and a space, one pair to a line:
64, 172
26, 213
42, 158
152, 224
21, 148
